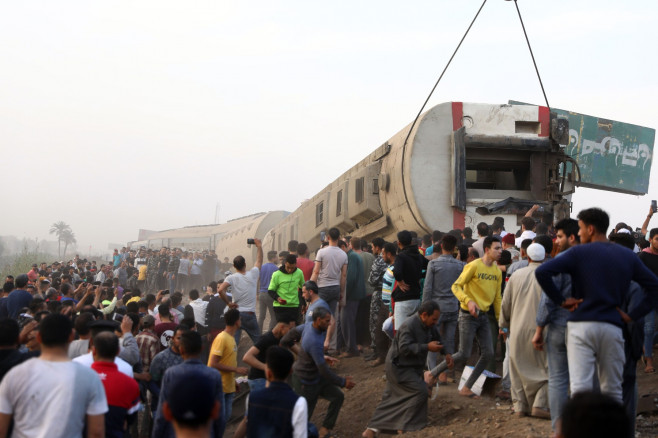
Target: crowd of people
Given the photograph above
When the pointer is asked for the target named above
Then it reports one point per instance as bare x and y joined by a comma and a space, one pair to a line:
146, 344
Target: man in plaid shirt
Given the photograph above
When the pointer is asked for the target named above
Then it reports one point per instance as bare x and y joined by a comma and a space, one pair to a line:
148, 342
149, 346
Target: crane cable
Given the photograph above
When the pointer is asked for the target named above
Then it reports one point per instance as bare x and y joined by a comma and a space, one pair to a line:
413, 124
541, 84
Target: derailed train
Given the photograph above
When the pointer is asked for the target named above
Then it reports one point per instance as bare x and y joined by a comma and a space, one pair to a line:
457, 165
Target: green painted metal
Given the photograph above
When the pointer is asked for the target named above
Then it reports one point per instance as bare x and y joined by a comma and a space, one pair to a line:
611, 155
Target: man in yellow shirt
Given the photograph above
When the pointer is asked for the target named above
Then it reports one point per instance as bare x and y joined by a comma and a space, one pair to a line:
141, 278
477, 289
224, 357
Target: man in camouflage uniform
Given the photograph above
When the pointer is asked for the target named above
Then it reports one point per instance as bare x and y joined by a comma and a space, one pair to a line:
375, 279
152, 262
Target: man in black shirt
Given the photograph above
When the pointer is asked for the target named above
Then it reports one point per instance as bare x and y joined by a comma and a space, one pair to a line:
408, 268
255, 356
10, 339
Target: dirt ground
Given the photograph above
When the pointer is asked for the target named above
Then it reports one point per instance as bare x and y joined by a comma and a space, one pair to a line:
451, 415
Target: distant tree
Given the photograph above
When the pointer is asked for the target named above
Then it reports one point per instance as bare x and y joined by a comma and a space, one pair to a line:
59, 229
68, 237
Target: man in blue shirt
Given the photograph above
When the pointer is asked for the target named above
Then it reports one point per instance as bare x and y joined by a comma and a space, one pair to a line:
19, 298
265, 301
276, 411
312, 377
555, 318
601, 273
192, 367
310, 294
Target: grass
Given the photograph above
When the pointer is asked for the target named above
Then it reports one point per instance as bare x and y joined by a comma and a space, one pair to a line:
21, 263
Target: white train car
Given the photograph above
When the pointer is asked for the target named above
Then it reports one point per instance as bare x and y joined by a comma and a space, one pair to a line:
458, 159
228, 239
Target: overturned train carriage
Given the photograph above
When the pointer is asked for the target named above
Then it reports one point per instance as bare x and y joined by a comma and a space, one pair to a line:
462, 163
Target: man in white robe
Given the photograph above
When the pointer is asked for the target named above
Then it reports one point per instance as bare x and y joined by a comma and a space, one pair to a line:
528, 367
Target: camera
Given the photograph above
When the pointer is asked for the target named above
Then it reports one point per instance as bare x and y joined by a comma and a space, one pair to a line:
251, 241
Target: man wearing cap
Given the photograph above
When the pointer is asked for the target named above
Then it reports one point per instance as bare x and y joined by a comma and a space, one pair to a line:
192, 369
190, 406
508, 245
19, 298
528, 367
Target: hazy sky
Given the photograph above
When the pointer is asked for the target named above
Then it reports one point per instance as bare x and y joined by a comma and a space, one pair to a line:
122, 115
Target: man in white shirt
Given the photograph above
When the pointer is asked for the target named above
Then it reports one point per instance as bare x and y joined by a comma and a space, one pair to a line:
527, 227
244, 288
483, 232
50, 396
330, 274
97, 327
199, 307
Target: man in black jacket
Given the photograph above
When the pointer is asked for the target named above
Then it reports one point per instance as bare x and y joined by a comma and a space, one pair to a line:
408, 268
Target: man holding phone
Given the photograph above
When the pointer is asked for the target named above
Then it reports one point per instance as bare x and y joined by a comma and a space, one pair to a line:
284, 289
244, 287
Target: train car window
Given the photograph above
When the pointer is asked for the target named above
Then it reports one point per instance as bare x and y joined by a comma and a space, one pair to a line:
339, 203
319, 214
358, 196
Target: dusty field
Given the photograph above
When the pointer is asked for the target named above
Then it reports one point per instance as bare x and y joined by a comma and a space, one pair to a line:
450, 415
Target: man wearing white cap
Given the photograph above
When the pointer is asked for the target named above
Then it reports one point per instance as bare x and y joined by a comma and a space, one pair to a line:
528, 367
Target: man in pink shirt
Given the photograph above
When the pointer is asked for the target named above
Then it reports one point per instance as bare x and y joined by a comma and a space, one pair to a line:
33, 274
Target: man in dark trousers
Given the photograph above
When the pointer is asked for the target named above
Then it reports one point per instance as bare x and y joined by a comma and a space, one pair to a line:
404, 402
276, 410
408, 269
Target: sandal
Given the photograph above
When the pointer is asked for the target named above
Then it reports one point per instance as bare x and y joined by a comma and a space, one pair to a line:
649, 370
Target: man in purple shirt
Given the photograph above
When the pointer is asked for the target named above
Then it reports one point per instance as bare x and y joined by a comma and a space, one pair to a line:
265, 302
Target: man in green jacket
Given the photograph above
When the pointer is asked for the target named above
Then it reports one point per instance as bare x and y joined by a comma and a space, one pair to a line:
284, 288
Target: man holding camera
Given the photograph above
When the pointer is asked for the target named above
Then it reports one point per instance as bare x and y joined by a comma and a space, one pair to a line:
244, 287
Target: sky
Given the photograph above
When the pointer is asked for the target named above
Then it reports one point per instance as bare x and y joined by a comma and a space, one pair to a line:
123, 115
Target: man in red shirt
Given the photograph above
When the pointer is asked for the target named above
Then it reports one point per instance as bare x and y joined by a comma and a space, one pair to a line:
303, 262
121, 391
